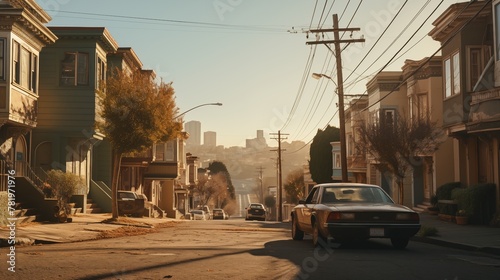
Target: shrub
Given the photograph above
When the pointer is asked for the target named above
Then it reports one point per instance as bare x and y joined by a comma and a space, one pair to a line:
63, 186
443, 192
477, 201
427, 231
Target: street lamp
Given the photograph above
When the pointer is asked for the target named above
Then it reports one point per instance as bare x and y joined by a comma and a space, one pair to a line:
343, 149
206, 104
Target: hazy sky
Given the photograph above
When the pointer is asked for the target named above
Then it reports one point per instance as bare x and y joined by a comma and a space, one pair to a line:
241, 53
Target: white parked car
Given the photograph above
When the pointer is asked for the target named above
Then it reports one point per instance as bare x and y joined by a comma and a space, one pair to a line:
198, 215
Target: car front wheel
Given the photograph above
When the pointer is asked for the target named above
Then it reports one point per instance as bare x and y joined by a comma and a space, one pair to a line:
400, 242
297, 234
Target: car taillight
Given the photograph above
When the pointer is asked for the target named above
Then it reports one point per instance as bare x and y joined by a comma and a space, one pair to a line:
407, 217
337, 216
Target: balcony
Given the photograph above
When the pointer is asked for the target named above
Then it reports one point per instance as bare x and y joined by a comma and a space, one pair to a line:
484, 113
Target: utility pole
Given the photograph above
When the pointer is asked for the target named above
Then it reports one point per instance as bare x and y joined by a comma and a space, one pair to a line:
260, 170
340, 83
280, 187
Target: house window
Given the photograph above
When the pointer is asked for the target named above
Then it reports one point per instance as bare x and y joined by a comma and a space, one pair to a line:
422, 106
452, 75
418, 106
34, 73
350, 144
25, 67
336, 160
16, 60
101, 71
75, 69
374, 117
389, 117
2, 58
165, 151
478, 57
159, 152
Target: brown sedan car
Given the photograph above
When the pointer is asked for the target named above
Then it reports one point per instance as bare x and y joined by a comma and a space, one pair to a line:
350, 211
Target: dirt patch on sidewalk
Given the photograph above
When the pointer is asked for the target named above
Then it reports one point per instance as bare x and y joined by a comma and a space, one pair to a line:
132, 227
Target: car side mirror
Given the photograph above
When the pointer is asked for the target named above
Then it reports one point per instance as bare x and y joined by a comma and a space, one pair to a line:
302, 201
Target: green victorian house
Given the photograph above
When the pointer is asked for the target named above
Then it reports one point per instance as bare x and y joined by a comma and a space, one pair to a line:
66, 137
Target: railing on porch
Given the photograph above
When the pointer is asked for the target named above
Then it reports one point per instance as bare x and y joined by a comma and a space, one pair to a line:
22, 169
3, 176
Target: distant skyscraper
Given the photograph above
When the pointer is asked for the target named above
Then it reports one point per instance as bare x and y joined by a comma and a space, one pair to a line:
210, 138
257, 143
194, 130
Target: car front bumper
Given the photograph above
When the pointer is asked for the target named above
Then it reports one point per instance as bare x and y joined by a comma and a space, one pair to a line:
371, 230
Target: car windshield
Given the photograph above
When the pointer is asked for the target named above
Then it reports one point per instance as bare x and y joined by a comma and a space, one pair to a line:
347, 194
197, 212
256, 206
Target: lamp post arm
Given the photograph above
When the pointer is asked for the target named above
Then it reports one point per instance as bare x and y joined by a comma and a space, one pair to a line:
206, 104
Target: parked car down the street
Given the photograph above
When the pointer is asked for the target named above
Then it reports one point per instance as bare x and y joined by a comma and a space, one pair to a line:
207, 211
198, 215
255, 211
219, 214
131, 204
350, 211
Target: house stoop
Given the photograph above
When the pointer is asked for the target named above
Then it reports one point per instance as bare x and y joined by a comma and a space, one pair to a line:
92, 207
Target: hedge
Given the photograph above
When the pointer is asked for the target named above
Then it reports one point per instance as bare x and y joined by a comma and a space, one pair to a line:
443, 192
478, 201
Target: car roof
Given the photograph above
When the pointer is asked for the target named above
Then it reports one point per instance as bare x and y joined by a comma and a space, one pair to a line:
346, 185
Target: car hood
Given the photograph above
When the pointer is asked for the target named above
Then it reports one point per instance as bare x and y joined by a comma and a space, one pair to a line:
372, 207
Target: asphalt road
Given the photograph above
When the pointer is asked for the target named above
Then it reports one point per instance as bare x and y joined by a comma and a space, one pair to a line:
238, 249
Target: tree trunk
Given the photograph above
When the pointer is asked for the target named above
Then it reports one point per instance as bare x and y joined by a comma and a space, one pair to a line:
401, 191
117, 159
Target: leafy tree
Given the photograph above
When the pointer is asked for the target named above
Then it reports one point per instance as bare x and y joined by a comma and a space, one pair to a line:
217, 167
294, 185
136, 112
399, 144
270, 201
321, 162
204, 190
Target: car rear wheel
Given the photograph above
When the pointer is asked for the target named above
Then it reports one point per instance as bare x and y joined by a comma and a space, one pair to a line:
317, 238
400, 242
297, 234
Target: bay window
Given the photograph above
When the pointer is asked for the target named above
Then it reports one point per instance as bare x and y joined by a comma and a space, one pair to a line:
452, 75
75, 69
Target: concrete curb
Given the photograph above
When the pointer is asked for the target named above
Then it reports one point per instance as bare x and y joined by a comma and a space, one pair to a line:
461, 246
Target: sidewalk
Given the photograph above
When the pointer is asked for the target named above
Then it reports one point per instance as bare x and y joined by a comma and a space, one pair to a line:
83, 227
466, 237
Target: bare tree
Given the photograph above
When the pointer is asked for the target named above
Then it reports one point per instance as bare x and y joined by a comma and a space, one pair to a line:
399, 145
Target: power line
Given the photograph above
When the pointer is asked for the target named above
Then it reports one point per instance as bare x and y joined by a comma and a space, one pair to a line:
434, 54
175, 22
393, 41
